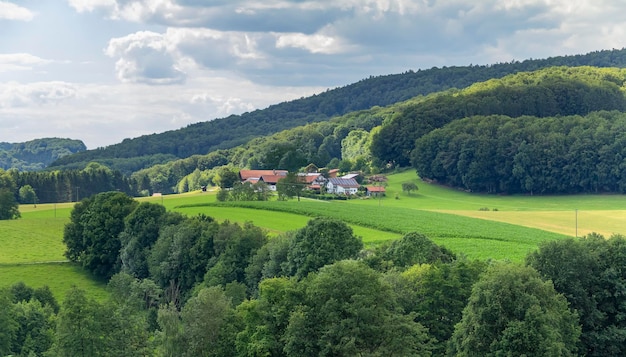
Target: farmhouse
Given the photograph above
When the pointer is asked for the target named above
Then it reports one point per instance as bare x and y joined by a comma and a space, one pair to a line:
313, 181
342, 186
254, 175
270, 177
374, 191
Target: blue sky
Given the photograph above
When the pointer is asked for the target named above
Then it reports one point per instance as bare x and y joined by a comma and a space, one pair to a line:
104, 70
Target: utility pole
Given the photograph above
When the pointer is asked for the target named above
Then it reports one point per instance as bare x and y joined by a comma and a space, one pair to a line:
77, 193
576, 222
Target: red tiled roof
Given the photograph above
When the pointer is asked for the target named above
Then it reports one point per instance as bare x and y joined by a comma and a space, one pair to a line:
246, 174
375, 188
271, 178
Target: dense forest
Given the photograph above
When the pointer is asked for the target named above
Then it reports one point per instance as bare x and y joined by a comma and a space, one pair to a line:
500, 154
548, 92
190, 286
37, 154
201, 138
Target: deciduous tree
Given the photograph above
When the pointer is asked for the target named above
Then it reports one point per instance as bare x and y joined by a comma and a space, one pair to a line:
322, 241
512, 312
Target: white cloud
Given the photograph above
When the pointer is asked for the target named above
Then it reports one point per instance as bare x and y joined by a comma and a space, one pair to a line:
13, 94
145, 57
313, 43
20, 61
11, 11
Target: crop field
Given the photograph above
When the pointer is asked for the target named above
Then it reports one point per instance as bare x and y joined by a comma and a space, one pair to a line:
475, 225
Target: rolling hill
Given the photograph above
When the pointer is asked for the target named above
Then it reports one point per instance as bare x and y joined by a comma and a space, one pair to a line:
134, 154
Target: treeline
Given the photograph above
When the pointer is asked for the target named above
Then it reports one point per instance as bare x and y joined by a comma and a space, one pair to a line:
37, 154
548, 92
190, 286
553, 155
135, 154
71, 185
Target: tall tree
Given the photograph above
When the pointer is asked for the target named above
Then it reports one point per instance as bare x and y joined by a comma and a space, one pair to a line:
9, 208
322, 241
28, 195
92, 235
348, 311
512, 312
207, 320
590, 273
290, 186
8, 325
77, 332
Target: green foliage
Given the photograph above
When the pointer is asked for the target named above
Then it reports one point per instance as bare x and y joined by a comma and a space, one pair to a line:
234, 247
37, 154
437, 295
180, 255
589, 273
544, 93
413, 248
71, 185
92, 235
564, 154
323, 241
409, 186
9, 208
8, 325
511, 311
207, 322
347, 311
289, 186
226, 178
141, 231
27, 195
269, 261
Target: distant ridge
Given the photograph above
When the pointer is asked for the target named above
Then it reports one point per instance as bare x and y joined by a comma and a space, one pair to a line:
134, 154
37, 154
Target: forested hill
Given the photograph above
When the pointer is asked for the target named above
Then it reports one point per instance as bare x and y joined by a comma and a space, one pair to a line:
544, 93
374, 139
37, 154
201, 138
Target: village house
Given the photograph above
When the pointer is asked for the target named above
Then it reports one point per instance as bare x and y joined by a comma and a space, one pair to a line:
342, 186
374, 191
269, 177
313, 180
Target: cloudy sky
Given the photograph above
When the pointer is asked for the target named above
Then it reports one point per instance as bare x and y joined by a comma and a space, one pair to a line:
104, 70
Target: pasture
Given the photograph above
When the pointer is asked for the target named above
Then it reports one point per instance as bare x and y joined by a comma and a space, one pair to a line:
475, 225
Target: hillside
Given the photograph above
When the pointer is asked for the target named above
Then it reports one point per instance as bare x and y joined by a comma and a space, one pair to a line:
201, 138
37, 154
367, 140
544, 93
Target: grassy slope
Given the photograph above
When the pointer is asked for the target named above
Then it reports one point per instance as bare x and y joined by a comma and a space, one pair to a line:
32, 252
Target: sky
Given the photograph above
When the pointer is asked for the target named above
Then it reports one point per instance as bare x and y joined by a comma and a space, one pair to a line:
101, 71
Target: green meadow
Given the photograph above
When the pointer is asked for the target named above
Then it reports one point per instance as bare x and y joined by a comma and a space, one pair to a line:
475, 225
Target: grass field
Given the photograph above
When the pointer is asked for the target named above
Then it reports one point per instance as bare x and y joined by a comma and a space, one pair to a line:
32, 252
32, 248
